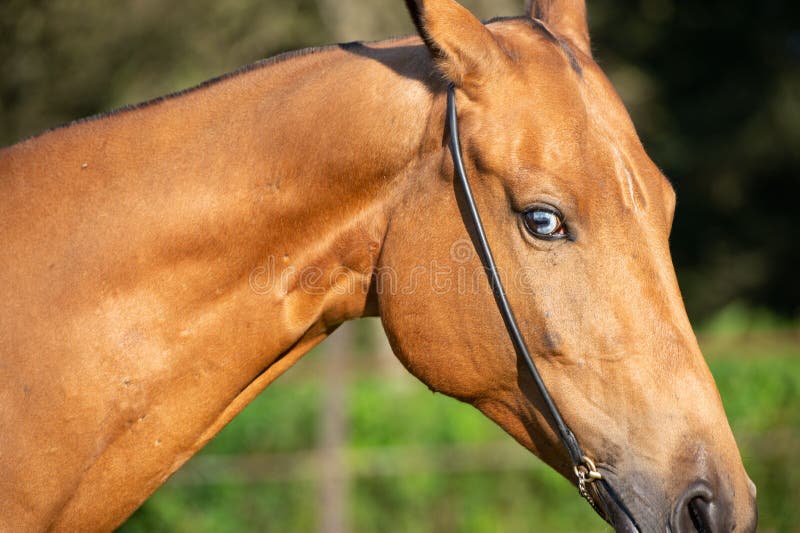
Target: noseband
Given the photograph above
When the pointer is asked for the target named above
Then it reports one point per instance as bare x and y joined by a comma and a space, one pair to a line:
585, 470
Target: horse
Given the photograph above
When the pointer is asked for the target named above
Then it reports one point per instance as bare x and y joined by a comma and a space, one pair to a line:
162, 264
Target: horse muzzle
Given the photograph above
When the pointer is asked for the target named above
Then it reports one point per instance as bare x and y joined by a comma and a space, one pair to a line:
700, 508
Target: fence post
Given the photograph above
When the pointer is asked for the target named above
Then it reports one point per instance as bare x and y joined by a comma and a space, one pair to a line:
334, 475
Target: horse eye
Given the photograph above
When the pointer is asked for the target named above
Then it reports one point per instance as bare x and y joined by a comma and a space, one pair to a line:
544, 223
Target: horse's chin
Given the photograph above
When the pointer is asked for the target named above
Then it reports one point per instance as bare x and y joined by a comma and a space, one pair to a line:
617, 504
618, 514
620, 518
622, 523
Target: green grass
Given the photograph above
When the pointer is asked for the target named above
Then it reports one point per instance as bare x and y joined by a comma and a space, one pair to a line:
423, 462
759, 379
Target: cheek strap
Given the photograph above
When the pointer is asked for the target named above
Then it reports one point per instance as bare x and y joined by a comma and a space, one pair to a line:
584, 468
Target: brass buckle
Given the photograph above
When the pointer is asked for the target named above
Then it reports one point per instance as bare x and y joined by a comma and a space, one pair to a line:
587, 473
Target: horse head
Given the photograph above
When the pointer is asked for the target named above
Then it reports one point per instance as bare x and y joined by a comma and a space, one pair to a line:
579, 220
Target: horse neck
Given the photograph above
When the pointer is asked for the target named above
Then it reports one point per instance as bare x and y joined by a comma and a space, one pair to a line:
288, 175
203, 244
271, 188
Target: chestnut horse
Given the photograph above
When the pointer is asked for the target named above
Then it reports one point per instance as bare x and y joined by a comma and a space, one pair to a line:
161, 265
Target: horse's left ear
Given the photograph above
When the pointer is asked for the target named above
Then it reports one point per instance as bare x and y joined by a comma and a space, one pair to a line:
464, 50
566, 17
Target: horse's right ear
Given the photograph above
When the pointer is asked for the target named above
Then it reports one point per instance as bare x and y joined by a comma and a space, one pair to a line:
567, 17
463, 49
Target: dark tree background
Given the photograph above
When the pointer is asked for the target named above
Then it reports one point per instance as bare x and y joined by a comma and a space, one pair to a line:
715, 93
714, 88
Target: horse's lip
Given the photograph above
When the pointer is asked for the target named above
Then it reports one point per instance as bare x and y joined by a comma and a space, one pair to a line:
621, 520
618, 513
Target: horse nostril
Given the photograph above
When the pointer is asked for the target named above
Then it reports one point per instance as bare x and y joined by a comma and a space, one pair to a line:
696, 511
699, 513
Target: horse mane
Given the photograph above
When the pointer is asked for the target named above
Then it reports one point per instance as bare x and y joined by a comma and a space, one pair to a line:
258, 65
534, 24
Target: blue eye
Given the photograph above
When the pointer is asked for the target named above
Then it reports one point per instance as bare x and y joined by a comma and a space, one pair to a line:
544, 223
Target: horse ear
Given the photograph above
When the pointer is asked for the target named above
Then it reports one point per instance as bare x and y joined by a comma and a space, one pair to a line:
566, 17
463, 49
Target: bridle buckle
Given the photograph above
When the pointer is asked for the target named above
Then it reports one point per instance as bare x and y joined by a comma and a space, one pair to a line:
587, 473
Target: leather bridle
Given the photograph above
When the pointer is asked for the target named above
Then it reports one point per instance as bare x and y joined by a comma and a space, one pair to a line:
585, 470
